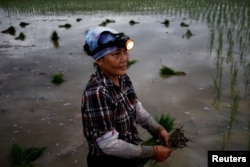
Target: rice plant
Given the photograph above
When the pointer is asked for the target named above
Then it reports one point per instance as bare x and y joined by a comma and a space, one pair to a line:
233, 76
248, 133
247, 80
217, 82
212, 31
233, 111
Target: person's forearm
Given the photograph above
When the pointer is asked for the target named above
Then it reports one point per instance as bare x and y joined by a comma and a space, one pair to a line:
146, 120
111, 145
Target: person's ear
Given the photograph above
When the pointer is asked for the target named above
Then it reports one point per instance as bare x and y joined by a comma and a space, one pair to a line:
99, 62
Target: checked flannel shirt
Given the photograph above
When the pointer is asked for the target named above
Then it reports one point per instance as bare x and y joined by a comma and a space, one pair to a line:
106, 106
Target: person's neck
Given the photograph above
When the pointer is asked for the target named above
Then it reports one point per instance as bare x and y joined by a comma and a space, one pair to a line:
114, 79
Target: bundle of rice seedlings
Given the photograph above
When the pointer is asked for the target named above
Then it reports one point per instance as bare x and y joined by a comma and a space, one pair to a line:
177, 138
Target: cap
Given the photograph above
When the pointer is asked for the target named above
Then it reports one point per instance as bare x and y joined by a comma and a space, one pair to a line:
93, 38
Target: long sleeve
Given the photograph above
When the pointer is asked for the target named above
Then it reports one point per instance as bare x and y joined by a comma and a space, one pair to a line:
111, 145
146, 120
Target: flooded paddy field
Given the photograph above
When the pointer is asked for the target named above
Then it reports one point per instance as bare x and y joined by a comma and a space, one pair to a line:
211, 101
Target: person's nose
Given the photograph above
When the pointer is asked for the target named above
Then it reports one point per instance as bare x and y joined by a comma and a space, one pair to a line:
124, 57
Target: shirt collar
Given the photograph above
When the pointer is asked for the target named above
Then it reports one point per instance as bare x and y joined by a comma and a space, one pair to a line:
108, 81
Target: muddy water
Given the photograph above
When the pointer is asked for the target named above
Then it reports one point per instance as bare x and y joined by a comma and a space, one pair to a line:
34, 112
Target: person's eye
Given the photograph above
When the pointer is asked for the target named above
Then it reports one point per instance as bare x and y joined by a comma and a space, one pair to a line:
116, 54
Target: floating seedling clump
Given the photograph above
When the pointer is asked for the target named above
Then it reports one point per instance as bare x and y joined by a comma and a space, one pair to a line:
107, 21
57, 79
132, 22
188, 34
166, 23
78, 19
23, 24
11, 30
184, 24
54, 38
168, 71
21, 37
23, 157
67, 26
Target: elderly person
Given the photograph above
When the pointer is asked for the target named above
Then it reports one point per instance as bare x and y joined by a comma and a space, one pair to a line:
111, 109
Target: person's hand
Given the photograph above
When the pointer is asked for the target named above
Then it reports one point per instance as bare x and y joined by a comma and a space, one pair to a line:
165, 136
161, 153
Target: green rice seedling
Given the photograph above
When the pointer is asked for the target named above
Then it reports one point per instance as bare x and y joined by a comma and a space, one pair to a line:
234, 105
247, 79
166, 121
220, 45
131, 62
57, 78
231, 45
233, 76
248, 133
233, 111
211, 41
217, 88
224, 142
23, 157
217, 81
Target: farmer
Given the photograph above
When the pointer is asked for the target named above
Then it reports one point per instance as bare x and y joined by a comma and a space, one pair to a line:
111, 109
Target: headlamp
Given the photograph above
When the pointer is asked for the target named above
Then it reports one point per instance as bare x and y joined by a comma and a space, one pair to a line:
108, 39
129, 44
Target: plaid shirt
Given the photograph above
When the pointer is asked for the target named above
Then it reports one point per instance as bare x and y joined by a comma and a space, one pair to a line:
105, 107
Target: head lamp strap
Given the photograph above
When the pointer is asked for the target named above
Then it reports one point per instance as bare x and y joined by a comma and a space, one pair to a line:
119, 40
103, 46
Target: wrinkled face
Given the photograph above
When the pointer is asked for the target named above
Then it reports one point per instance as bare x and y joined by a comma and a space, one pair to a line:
114, 64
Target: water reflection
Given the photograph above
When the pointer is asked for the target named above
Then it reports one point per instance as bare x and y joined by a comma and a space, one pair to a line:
216, 60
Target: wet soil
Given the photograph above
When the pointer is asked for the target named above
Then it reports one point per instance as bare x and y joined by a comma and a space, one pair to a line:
34, 112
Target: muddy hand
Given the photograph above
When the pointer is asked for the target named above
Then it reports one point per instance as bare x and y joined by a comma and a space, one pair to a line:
161, 153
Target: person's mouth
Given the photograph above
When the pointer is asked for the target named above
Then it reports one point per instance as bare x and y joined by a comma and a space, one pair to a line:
124, 67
